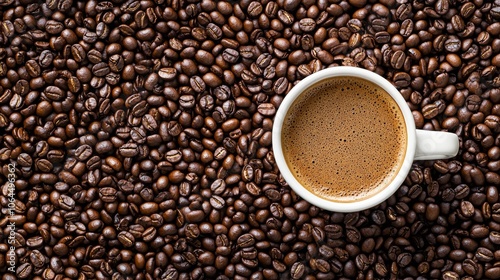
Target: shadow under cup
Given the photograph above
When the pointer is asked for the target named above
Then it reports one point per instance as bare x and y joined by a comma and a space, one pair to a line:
336, 140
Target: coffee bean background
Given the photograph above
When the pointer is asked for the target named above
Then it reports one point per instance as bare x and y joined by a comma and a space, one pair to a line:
141, 134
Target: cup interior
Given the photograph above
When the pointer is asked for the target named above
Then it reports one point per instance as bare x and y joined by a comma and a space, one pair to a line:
296, 91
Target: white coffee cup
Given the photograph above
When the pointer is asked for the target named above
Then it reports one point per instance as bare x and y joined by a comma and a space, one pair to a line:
421, 144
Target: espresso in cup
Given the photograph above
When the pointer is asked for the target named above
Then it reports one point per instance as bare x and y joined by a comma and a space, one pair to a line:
344, 139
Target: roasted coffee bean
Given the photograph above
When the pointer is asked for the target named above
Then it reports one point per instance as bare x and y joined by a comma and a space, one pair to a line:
246, 240
167, 73
214, 31
493, 272
37, 258
297, 270
404, 259
34, 242
450, 275
53, 93
470, 267
83, 152
483, 254
452, 44
116, 63
402, 79
230, 55
66, 203
129, 150
397, 59
466, 209
187, 101
264, 60
307, 24
218, 186
494, 237
126, 239
285, 17
266, 109
378, 217
461, 191
381, 269
280, 86
24, 270
197, 84
217, 202
430, 111
33, 68
467, 10
100, 69
252, 189
353, 234
414, 191
254, 9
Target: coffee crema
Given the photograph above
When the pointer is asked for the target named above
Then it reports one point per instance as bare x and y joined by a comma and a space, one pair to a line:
344, 139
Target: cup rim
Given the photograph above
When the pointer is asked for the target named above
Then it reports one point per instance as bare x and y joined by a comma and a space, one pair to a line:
296, 91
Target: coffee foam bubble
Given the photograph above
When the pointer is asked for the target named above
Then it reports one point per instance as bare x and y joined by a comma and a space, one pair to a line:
344, 139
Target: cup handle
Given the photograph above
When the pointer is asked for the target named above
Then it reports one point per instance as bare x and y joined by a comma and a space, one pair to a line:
435, 145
